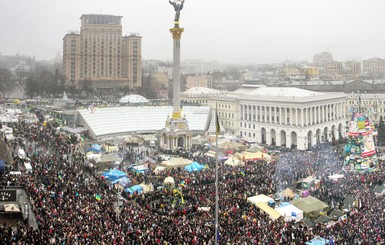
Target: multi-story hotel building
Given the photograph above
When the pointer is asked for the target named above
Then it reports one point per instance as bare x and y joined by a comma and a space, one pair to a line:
100, 56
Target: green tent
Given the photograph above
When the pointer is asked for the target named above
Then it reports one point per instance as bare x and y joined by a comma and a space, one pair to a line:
310, 206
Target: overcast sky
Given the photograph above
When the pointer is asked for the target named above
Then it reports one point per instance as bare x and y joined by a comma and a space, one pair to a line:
242, 31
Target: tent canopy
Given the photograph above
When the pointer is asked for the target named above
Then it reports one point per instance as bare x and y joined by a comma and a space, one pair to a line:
141, 168
194, 167
122, 181
159, 169
255, 148
169, 180
135, 188
274, 214
114, 174
234, 161
108, 158
95, 148
290, 212
147, 187
310, 205
259, 198
318, 241
287, 193
250, 156
227, 145
176, 162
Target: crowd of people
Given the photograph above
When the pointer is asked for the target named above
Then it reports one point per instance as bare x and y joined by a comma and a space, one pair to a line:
75, 206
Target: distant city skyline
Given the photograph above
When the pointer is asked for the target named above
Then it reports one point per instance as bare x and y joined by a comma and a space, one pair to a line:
226, 31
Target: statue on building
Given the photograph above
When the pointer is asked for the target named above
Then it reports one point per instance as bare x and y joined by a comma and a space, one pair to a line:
178, 6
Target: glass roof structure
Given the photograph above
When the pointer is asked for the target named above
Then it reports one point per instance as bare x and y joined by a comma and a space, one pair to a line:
125, 119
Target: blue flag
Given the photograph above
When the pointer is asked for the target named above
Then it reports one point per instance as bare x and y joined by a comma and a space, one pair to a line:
293, 214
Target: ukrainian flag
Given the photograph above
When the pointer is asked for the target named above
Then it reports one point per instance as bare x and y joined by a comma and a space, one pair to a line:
97, 197
243, 173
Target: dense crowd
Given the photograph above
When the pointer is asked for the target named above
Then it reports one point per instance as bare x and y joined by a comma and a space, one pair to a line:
62, 193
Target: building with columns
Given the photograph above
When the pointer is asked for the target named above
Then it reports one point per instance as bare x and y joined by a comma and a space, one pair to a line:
292, 116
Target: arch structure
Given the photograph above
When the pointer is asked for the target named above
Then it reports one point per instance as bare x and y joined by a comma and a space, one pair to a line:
292, 117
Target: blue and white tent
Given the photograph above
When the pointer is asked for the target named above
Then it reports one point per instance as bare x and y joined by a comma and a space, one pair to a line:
318, 241
114, 174
95, 148
122, 181
134, 188
194, 167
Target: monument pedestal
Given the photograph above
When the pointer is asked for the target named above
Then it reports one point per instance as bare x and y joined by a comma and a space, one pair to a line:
176, 134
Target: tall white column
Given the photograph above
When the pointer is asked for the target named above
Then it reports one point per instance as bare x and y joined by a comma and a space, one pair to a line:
285, 117
318, 114
302, 117
311, 116
176, 34
275, 116
265, 114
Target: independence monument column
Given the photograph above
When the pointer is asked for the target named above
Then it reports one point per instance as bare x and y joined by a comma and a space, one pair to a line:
176, 132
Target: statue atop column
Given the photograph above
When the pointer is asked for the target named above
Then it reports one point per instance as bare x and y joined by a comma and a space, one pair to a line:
178, 6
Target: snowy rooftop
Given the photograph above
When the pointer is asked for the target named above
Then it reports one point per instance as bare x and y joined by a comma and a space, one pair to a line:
284, 92
126, 119
200, 90
133, 99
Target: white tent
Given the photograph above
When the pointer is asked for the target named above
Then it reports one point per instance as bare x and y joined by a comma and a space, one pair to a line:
147, 188
159, 169
259, 198
93, 156
290, 212
169, 181
234, 161
176, 162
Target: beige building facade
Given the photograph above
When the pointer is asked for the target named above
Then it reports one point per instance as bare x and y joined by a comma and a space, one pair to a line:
100, 57
291, 116
198, 80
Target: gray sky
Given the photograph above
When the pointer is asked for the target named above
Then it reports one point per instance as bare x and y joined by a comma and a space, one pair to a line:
252, 31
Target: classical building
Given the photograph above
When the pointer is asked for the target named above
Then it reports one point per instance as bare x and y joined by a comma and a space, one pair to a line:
100, 57
292, 116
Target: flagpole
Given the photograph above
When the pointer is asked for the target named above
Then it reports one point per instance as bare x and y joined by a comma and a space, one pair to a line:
217, 130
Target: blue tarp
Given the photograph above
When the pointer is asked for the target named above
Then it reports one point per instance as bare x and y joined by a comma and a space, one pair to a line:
122, 181
194, 167
114, 174
135, 188
95, 148
318, 241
